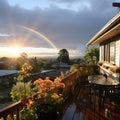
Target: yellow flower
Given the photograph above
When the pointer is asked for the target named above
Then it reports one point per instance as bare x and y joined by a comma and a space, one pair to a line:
55, 96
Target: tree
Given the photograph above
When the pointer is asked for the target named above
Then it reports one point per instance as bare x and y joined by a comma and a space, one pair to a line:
92, 55
21, 60
63, 56
4, 62
46, 64
35, 64
23, 56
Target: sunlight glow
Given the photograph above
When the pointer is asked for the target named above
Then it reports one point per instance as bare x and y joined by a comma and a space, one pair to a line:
30, 51
15, 51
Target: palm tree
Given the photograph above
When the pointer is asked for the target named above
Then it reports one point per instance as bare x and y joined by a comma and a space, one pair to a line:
63, 56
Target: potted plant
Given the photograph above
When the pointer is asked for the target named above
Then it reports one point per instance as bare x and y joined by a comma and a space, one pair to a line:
49, 99
47, 103
42, 98
115, 69
118, 70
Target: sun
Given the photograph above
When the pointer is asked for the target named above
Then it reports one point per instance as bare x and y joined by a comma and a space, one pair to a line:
15, 51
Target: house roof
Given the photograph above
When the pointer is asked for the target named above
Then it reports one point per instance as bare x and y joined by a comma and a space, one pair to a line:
7, 72
112, 28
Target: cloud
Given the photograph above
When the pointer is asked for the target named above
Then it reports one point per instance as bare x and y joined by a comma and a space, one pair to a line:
64, 25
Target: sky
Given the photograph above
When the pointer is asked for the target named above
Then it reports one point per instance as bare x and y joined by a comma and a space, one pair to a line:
43, 27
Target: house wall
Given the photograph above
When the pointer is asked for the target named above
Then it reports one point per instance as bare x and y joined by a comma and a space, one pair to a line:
117, 51
107, 62
101, 50
102, 56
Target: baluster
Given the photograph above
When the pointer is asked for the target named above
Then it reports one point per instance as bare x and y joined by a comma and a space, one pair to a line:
16, 115
12, 116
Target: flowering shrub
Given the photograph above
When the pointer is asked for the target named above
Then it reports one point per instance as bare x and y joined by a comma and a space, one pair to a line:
25, 72
42, 95
22, 88
48, 97
49, 94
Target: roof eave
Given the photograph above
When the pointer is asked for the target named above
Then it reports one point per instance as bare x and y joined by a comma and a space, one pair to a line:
104, 29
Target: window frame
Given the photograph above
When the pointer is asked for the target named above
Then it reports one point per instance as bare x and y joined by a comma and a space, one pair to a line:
107, 52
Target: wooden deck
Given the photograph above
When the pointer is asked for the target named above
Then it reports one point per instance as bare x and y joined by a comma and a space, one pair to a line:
83, 105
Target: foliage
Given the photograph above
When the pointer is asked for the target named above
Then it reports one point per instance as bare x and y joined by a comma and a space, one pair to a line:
42, 95
92, 56
21, 90
63, 75
24, 73
21, 60
35, 64
63, 56
76, 67
4, 63
23, 87
27, 114
76, 61
46, 64
48, 97
84, 69
115, 69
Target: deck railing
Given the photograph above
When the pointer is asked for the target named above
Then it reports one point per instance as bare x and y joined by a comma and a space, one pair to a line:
13, 111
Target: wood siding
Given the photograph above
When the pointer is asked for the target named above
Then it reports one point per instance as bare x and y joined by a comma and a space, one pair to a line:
117, 51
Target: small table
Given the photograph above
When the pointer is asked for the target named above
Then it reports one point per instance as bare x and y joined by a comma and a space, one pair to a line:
102, 87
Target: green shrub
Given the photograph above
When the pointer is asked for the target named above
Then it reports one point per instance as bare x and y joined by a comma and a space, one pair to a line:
21, 90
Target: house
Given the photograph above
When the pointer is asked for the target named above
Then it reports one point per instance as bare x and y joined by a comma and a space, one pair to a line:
8, 76
108, 39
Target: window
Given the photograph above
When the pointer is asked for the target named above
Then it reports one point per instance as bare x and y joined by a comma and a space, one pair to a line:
112, 52
107, 52
102, 53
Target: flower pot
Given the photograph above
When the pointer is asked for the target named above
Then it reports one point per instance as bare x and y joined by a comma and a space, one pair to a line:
44, 115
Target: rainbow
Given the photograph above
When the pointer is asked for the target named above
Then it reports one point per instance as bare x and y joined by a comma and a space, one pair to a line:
41, 35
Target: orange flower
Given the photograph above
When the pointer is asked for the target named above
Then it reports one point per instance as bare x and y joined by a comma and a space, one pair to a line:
61, 85
48, 83
47, 78
52, 87
38, 81
57, 79
49, 92
43, 85
30, 103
